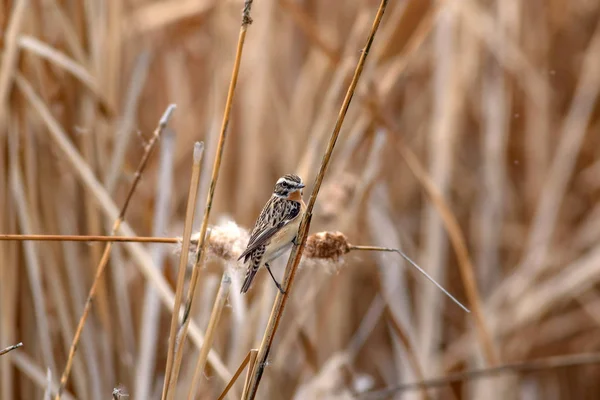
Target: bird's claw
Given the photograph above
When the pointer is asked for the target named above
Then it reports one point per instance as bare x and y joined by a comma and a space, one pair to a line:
281, 289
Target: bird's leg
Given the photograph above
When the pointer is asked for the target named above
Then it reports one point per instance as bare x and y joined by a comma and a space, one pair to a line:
295, 241
274, 280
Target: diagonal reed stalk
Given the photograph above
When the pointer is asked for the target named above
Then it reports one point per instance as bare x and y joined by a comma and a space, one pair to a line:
215, 316
183, 260
170, 381
251, 366
104, 260
297, 250
250, 357
11, 348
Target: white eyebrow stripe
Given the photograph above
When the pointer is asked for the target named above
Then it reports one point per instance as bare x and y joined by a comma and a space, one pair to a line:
289, 182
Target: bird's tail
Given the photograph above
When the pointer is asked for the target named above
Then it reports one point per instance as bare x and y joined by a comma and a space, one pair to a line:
250, 273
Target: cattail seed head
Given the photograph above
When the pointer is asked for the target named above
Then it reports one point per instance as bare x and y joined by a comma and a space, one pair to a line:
326, 245
225, 241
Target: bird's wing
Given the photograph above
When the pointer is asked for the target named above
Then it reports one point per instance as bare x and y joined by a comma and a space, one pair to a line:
252, 268
276, 214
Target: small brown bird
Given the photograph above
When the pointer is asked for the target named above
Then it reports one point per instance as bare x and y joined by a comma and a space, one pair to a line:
275, 229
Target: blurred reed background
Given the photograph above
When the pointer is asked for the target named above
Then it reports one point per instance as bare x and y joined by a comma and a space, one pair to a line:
472, 143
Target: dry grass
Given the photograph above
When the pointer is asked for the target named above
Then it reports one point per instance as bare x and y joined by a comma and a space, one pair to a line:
471, 144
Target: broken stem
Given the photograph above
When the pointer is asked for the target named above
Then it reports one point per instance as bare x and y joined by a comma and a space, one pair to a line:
414, 264
11, 348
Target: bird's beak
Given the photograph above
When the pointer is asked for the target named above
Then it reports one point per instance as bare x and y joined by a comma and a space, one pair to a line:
301, 186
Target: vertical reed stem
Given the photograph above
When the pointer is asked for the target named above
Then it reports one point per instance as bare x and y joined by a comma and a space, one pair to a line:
297, 250
183, 261
246, 20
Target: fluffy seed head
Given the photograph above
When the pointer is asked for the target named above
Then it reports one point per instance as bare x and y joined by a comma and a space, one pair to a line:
327, 245
226, 241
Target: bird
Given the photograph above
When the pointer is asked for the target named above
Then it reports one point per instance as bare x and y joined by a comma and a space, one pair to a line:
275, 229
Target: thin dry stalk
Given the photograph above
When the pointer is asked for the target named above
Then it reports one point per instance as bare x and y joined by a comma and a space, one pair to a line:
215, 316
496, 99
246, 20
151, 306
8, 277
251, 366
61, 60
88, 144
48, 391
89, 238
10, 54
126, 127
183, 261
34, 274
11, 348
442, 136
541, 364
296, 254
238, 372
104, 260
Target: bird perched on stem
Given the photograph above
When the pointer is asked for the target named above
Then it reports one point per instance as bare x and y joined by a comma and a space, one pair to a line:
275, 229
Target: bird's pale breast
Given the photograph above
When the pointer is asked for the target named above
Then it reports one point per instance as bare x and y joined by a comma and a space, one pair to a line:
282, 240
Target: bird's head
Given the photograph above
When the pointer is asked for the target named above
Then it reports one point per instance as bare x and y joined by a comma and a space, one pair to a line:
288, 184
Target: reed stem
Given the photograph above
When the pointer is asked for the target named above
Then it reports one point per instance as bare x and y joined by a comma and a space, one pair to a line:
90, 238
183, 261
297, 250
